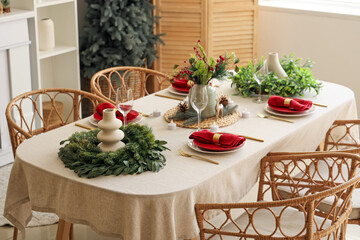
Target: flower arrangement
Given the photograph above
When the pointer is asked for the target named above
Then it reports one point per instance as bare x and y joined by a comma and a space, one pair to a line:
201, 69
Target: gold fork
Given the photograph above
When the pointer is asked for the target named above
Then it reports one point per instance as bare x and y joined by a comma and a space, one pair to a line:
197, 156
145, 115
277, 118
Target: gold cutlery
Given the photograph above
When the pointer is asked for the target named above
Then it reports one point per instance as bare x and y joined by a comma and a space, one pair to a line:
252, 138
197, 156
247, 137
83, 126
145, 115
165, 96
320, 105
277, 118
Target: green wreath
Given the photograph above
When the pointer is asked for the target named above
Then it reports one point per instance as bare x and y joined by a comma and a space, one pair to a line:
141, 153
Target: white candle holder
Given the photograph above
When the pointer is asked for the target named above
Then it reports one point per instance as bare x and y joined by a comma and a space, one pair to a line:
171, 125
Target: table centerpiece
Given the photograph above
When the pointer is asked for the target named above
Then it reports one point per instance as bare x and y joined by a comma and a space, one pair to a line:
141, 153
200, 69
298, 80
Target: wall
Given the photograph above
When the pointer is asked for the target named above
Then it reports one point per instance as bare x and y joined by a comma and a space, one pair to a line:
332, 41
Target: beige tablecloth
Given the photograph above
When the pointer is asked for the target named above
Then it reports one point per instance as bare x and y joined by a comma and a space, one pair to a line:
160, 205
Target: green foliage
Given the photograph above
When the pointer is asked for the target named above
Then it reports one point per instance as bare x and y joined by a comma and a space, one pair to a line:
191, 118
5, 3
299, 79
202, 69
141, 153
118, 33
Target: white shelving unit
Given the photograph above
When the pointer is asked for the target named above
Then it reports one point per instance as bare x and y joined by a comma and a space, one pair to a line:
59, 67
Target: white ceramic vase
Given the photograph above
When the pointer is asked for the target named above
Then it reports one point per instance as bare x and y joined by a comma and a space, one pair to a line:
110, 135
210, 110
46, 34
275, 66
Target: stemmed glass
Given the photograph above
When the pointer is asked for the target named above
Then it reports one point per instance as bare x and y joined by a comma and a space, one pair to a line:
124, 101
259, 77
198, 100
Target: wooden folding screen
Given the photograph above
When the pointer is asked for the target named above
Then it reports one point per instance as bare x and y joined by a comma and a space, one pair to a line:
221, 25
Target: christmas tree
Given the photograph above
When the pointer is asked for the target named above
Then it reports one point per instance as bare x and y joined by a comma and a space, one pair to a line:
118, 33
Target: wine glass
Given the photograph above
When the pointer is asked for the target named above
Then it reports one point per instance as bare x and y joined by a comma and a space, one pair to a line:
198, 100
259, 77
124, 101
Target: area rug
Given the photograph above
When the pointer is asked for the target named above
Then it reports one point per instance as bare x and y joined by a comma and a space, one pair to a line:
38, 219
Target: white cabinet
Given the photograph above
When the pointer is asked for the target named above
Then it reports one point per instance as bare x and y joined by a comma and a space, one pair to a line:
15, 73
59, 67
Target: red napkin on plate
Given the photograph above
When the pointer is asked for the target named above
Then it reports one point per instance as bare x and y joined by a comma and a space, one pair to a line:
292, 103
226, 140
182, 84
99, 110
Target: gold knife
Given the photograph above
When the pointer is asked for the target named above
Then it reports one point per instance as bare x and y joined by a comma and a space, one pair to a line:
165, 96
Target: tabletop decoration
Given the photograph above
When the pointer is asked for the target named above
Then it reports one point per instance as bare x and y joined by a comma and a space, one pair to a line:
141, 153
245, 113
299, 79
110, 135
171, 125
201, 70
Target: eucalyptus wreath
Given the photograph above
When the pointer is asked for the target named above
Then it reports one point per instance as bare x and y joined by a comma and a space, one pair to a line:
299, 79
141, 153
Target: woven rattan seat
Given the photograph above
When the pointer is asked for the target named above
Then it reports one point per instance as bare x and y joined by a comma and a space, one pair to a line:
27, 115
342, 136
294, 218
105, 82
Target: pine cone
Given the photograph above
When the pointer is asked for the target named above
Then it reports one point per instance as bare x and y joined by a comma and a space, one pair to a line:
183, 107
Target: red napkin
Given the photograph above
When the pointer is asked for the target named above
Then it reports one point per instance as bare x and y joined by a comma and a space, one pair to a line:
99, 110
294, 103
226, 140
182, 84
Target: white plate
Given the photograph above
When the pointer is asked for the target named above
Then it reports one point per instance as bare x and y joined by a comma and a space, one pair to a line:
199, 149
300, 114
94, 122
176, 92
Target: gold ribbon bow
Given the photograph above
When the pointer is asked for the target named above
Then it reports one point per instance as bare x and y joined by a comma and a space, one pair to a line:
216, 138
287, 102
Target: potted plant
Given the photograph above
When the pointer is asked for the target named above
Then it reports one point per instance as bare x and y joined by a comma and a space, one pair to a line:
6, 5
118, 33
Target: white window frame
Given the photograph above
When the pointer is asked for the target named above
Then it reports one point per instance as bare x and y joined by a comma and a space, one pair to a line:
346, 7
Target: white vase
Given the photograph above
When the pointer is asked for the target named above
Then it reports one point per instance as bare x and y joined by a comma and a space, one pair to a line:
110, 135
275, 66
46, 34
210, 110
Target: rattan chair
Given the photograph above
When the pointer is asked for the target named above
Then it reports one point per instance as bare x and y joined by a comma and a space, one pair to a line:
295, 218
105, 82
342, 136
42, 110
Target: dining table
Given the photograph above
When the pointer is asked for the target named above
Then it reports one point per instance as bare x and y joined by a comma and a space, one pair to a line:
160, 205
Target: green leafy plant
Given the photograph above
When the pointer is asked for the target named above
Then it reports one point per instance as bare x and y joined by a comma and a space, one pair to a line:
299, 79
5, 3
141, 153
201, 69
118, 33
